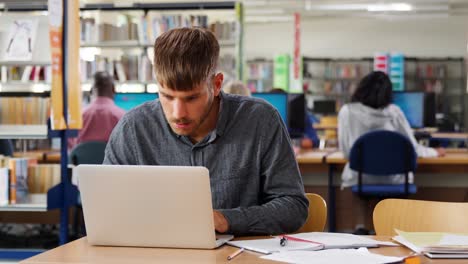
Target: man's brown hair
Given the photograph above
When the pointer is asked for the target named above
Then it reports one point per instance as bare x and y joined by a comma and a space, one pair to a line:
185, 57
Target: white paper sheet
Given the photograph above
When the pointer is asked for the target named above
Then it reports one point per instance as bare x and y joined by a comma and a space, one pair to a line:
348, 256
272, 245
450, 240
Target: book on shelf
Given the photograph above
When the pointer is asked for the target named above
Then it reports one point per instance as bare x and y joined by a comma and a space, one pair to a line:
43, 177
26, 74
145, 29
20, 177
4, 199
18, 180
24, 110
126, 68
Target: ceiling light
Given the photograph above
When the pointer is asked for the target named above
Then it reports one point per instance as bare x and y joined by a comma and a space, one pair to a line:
397, 7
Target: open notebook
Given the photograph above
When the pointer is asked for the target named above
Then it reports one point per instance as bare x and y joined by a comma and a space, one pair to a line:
435, 244
307, 241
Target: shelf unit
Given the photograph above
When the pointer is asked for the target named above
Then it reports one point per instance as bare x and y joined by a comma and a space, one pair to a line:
231, 49
64, 195
259, 75
337, 78
23, 131
38, 203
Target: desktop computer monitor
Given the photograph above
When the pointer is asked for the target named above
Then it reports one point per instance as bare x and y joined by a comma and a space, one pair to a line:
296, 114
412, 105
127, 101
278, 101
430, 110
324, 107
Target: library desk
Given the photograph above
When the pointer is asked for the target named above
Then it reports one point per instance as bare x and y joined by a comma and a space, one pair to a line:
79, 251
453, 162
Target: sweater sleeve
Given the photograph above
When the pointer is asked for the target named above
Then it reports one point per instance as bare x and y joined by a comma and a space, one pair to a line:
343, 133
404, 128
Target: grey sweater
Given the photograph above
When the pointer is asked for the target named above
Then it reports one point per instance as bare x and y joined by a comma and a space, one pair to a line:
356, 119
255, 180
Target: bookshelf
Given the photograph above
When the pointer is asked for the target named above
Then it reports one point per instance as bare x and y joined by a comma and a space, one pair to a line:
24, 109
119, 39
259, 75
23, 131
37, 203
335, 78
63, 195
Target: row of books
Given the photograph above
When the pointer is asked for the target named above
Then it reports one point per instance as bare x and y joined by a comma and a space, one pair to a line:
336, 87
129, 67
24, 110
26, 74
146, 29
42, 177
431, 71
13, 180
260, 86
91, 32
22, 176
335, 71
260, 70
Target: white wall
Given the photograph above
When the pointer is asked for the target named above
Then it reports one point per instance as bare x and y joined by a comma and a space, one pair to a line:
361, 37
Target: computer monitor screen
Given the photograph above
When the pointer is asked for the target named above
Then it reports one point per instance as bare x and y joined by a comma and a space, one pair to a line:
429, 110
296, 114
412, 105
278, 100
128, 101
324, 107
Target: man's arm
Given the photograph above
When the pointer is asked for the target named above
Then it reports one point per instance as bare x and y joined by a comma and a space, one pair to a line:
284, 206
120, 147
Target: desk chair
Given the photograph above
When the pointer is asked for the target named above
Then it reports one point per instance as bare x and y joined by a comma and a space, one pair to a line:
317, 214
91, 152
420, 216
6, 147
383, 153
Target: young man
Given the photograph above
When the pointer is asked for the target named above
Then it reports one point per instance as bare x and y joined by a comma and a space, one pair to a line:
102, 115
255, 182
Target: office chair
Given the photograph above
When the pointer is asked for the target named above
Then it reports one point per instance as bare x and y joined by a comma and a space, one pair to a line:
6, 147
91, 152
383, 153
419, 216
317, 214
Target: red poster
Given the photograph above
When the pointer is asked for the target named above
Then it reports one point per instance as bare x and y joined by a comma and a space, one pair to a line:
297, 44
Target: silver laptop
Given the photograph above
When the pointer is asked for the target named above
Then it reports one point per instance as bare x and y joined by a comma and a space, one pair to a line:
148, 206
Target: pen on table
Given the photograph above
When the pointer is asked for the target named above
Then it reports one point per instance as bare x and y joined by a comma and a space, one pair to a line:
285, 238
283, 241
235, 254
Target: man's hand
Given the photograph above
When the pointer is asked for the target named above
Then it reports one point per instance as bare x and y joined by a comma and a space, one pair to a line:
220, 222
440, 152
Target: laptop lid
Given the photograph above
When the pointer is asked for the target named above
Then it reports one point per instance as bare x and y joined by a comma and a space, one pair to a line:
147, 206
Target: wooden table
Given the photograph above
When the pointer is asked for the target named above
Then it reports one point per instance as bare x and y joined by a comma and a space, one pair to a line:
452, 162
79, 251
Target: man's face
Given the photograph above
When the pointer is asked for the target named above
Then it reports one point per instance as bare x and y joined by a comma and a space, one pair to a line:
187, 111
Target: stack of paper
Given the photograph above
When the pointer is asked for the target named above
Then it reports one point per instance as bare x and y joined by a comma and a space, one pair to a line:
349, 256
435, 245
308, 241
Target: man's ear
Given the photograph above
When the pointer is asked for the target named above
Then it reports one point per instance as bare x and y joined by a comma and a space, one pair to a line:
218, 83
